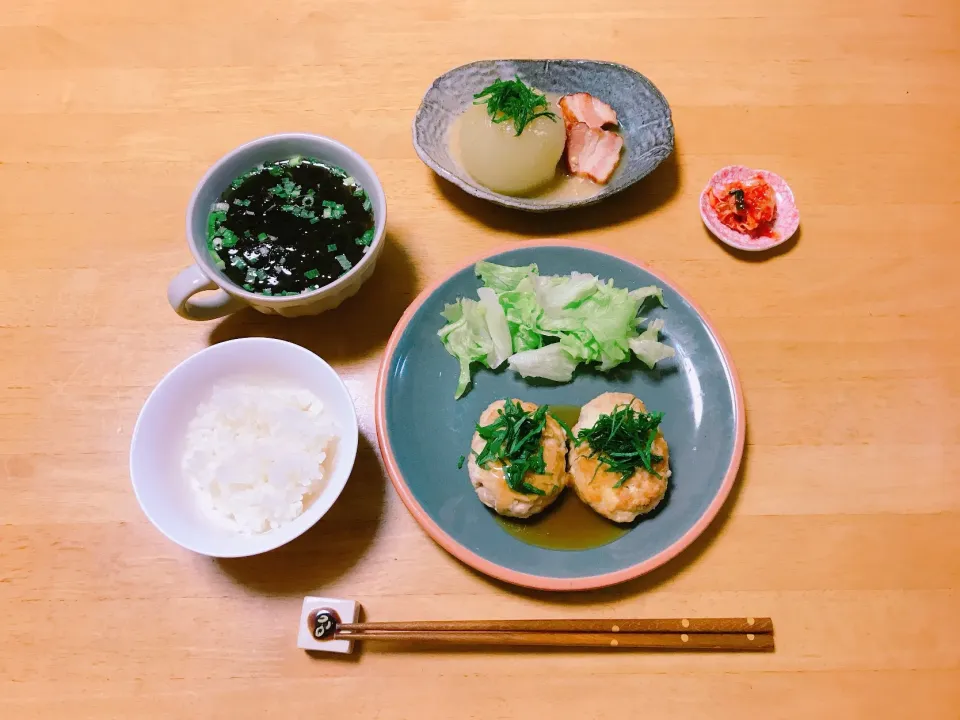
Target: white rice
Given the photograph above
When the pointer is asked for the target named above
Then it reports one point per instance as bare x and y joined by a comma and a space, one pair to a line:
255, 454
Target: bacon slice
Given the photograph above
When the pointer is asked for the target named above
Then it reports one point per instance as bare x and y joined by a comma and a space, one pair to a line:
591, 152
585, 108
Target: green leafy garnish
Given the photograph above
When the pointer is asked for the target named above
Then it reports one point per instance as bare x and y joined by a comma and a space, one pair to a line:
566, 428
332, 210
214, 220
514, 440
229, 237
366, 238
311, 274
513, 100
299, 211
623, 441
262, 236
287, 190
332, 247
460, 462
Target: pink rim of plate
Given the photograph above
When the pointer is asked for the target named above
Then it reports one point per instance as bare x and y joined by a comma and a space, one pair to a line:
525, 579
785, 224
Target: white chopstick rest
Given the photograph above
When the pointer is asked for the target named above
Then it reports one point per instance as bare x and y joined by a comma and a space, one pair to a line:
349, 612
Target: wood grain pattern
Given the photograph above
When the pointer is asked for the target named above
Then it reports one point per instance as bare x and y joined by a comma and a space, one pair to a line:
844, 525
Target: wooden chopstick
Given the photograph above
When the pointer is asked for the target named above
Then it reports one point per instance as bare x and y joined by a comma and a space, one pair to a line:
756, 642
756, 626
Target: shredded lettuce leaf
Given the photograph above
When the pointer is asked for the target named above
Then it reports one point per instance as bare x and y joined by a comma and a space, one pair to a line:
650, 291
503, 277
647, 345
551, 362
557, 292
547, 325
466, 338
497, 328
523, 316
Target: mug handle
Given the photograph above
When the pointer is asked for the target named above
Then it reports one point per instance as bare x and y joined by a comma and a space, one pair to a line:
187, 284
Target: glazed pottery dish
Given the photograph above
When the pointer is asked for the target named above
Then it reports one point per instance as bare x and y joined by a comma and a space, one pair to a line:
243, 446
323, 201
747, 209
541, 135
579, 358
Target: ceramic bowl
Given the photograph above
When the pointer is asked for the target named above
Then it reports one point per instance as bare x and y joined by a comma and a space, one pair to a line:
784, 226
202, 292
158, 439
645, 120
423, 431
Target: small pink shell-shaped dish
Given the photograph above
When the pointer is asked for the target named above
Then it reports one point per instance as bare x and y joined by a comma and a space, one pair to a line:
784, 225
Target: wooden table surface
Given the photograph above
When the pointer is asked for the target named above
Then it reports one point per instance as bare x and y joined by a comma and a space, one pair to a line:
845, 523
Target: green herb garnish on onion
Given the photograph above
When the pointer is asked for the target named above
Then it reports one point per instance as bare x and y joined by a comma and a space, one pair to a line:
514, 440
513, 100
623, 441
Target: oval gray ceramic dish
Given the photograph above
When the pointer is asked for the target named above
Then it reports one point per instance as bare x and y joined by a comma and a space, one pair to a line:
645, 120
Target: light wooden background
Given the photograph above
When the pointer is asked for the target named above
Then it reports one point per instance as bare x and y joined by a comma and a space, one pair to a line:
845, 525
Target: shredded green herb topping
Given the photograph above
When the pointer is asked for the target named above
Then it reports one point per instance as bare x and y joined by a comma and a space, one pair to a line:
513, 100
514, 440
623, 441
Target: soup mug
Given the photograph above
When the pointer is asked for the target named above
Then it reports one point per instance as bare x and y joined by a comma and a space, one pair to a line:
202, 292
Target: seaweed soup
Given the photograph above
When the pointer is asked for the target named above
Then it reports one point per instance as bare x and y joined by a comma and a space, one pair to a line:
290, 227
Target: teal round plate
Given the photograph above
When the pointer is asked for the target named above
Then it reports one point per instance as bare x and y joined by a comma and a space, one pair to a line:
423, 431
